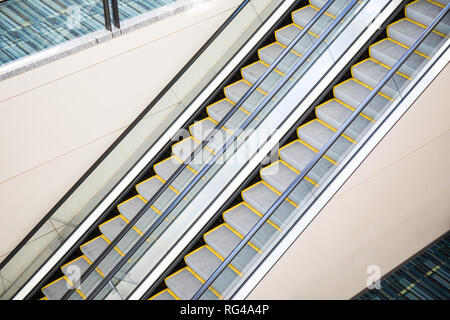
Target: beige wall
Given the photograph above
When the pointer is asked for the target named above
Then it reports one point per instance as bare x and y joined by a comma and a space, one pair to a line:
394, 204
56, 120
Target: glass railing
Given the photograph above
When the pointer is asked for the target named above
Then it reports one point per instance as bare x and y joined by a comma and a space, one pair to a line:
90, 191
330, 159
224, 162
31, 26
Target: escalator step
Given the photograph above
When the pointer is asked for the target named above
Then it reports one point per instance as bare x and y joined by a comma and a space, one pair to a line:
353, 93
371, 73
316, 133
298, 154
279, 175
335, 113
424, 12
407, 32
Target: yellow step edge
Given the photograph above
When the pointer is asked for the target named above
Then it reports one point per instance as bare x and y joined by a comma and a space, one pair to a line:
228, 100
215, 253
241, 236
165, 290
424, 26
203, 281
278, 192
276, 43
268, 186
397, 42
381, 64
371, 89
326, 125
221, 258
362, 84
87, 260
292, 50
190, 138
173, 156
436, 3
232, 230
160, 179
310, 32
195, 275
70, 284
290, 168
406, 47
253, 210
309, 147
326, 13
346, 106
106, 240
246, 82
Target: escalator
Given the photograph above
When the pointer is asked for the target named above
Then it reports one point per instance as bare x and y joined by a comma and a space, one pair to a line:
165, 168
108, 254
237, 221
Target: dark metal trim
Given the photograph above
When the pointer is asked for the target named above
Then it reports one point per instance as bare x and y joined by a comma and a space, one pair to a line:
115, 10
107, 15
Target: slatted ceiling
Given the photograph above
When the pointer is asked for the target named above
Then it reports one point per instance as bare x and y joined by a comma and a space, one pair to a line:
425, 277
27, 27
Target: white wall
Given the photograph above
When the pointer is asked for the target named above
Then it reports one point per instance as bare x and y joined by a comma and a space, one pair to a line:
392, 206
56, 120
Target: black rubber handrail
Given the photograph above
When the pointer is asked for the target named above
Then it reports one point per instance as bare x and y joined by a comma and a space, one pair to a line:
319, 155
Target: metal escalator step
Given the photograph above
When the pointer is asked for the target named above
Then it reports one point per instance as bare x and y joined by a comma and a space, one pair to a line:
317, 134
270, 53
130, 208
237, 90
184, 284
219, 110
371, 73
201, 129
254, 71
166, 294
388, 52
204, 262
58, 288
167, 167
261, 197
112, 228
184, 149
242, 218
407, 32
353, 93
297, 154
280, 176
75, 268
443, 2
223, 240
287, 34
334, 9
95, 247
336, 113
304, 15
424, 12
